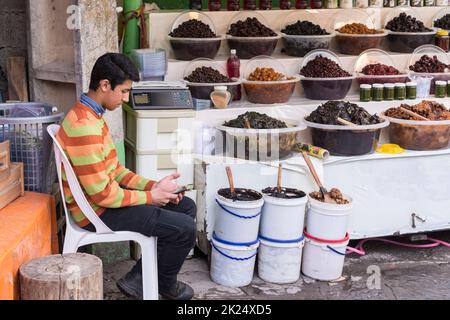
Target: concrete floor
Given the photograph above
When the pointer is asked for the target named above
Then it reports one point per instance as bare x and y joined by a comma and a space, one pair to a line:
404, 274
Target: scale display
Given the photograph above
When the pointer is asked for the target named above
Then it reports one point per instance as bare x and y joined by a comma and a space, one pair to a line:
161, 99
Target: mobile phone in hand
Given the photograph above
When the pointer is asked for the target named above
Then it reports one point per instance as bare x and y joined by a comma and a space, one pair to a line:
186, 188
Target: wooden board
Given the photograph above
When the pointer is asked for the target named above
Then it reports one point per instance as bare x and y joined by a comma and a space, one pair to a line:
5, 162
17, 79
12, 186
75, 276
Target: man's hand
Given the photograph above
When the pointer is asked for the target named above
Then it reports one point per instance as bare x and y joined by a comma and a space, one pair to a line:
164, 191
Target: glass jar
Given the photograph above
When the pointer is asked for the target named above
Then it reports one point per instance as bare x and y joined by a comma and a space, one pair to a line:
411, 90
265, 4
389, 91
233, 70
220, 97
442, 3
376, 3
377, 92
301, 4
330, 4
195, 4
346, 4
285, 4
402, 3
249, 4
416, 3
315, 4
214, 5
233, 5
400, 91
441, 89
365, 92
442, 40
429, 3
389, 3
362, 4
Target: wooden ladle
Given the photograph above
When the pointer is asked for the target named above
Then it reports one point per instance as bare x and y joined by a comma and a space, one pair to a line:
280, 170
345, 122
413, 114
230, 179
325, 194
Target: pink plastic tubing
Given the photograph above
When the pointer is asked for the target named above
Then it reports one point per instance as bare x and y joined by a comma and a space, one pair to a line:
360, 250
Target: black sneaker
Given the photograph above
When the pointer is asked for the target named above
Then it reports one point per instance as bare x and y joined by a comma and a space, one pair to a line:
179, 291
131, 285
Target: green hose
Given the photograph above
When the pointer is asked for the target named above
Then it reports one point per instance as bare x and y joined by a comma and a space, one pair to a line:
131, 38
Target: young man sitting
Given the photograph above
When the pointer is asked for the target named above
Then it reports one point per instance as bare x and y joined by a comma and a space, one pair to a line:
123, 200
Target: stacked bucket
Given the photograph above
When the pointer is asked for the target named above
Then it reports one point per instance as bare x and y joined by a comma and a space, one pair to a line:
235, 241
326, 239
282, 240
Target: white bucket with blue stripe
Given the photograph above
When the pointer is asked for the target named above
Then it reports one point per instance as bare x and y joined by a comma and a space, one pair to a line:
279, 261
322, 259
232, 265
237, 221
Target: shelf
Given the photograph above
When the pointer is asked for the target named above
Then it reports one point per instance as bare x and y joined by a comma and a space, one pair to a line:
57, 71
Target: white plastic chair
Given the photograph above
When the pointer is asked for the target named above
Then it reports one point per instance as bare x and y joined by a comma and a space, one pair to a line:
76, 237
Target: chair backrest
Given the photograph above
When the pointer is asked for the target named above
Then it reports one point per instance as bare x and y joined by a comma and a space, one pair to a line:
74, 185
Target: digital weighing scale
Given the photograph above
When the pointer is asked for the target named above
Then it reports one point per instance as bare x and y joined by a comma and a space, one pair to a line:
159, 95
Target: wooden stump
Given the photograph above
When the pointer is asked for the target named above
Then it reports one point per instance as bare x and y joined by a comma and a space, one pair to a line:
74, 276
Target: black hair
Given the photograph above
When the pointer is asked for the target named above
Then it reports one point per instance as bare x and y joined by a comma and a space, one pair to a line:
115, 67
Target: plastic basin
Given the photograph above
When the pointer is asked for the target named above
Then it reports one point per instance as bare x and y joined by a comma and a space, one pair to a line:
345, 140
203, 90
326, 88
354, 44
406, 42
191, 48
300, 45
249, 47
268, 92
419, 135
371, 79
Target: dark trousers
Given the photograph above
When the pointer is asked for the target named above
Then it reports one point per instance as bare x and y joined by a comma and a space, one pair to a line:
173, 225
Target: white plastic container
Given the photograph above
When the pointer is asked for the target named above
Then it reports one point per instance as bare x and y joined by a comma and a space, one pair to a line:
280, 262
232, 266
328, 221
238, 221
283, 219
324, 261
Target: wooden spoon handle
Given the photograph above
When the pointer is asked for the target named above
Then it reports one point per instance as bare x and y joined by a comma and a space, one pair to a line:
247, 123
280, 170
413, 114
311, 168
345, 122
230, 179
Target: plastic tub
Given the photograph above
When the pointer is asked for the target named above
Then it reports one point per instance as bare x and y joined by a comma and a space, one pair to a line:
419, 135
373, 56
354, 44
342, 140
280, 262
430, 50
328, 220
268, 92
325, 88
324, 260
192, 48
283, 219
249, 47
300, 45
203, 90
441, 13
237, 221
258, 144
232, 266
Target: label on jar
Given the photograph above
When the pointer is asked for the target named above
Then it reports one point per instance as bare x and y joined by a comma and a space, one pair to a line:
376, 3
429, 3
345, 4
402, 2
362, 3
416, 3
331, 4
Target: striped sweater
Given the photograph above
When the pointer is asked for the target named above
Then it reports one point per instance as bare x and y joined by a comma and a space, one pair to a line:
84, 137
